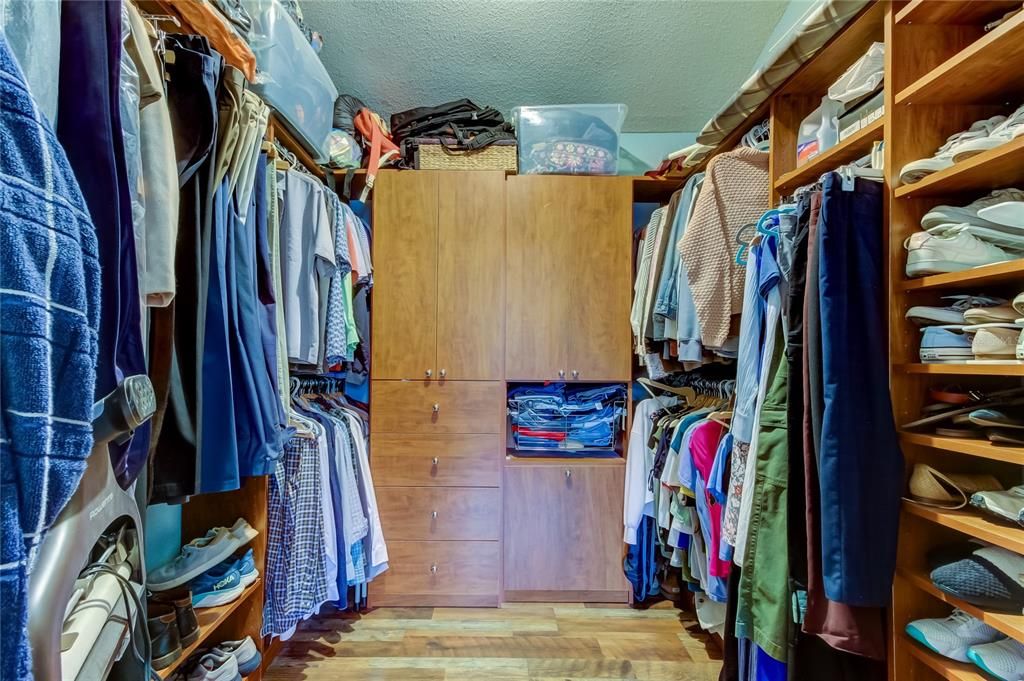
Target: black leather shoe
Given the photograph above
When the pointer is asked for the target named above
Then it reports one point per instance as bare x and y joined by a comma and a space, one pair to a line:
181, 600
163, 634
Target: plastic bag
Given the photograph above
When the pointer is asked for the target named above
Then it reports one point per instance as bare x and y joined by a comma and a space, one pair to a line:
32, 29
862, 78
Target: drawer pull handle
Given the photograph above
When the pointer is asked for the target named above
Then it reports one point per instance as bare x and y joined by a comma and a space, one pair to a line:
561, 373
435, 461
436, 407
433, 569
568, 473
575, 374
433, 514
443, 373
429, 372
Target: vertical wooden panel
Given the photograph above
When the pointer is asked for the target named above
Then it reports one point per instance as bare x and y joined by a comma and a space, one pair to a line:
471, 275
405, 274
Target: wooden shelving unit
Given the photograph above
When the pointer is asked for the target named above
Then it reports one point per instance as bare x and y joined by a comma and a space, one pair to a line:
210, 620
944, 72
979, 448
852, 148
999, 273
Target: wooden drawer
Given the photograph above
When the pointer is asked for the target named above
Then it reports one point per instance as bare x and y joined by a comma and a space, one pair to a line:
438, 513
437, 407
461, 460
438, 573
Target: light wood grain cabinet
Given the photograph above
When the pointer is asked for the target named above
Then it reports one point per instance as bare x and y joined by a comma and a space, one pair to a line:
568, 276
439, 255
563, 531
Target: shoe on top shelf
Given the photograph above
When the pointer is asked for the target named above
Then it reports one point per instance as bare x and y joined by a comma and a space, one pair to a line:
952, 636
944, 344
994, 341
931, 254
946, 215
943, 158
195, 558
1002, 659
1012, 127
931, 315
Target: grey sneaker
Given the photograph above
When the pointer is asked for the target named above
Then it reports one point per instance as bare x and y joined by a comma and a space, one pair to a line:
215, 666
945, 215
196, 557
1008, 505
244, 652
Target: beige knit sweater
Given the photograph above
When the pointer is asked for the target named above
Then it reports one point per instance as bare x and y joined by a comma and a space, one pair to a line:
735, 193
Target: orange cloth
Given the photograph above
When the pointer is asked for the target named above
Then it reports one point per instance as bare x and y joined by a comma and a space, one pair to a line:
206, 20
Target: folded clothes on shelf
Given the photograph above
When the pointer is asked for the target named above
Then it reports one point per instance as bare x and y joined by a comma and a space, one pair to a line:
557, 416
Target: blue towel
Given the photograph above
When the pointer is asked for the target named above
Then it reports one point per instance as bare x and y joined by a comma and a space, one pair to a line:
49, 320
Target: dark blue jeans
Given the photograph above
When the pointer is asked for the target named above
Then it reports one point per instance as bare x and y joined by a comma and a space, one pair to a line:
859, 462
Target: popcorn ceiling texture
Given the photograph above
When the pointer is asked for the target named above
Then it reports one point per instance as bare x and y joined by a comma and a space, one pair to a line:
674, 62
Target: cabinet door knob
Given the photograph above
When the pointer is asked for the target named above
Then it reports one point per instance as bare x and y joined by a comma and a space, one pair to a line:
568, 473
433, 514
436, 407
433, 569
575, 374
442, 373
561, 373
429, 372
435, 461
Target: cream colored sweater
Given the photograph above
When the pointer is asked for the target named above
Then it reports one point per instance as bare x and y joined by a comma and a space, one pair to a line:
735, 193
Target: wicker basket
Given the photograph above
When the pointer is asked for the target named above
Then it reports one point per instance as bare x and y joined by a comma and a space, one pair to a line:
432, 155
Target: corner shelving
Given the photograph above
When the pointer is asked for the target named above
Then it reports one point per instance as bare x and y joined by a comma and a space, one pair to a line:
1011, 625
980, 448
999, 167
852, 148
973, 524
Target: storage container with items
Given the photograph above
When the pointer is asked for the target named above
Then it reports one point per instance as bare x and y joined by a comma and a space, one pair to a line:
581, 419
570, 139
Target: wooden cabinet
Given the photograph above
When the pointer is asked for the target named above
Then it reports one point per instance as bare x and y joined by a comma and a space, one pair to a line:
563, 531
401, 460
437, 407
439, 255
439, 573
568, 278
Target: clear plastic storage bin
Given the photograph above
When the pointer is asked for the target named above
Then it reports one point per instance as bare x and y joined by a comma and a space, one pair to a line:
291, 77
569, 139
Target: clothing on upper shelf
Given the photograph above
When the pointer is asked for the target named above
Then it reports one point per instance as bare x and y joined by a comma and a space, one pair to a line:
559, 416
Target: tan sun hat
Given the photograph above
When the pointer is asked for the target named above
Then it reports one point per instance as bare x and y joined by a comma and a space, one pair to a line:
929, 487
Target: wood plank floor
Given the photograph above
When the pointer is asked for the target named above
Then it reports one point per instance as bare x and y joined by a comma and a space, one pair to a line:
517, 642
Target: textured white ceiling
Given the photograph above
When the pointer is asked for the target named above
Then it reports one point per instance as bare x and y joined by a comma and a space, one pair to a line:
674, 62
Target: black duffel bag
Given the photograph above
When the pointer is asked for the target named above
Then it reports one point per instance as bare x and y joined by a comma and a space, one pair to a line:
474, 127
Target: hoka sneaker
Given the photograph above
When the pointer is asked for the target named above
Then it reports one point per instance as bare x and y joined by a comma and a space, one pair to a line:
216, 587
1002, 659
953, 636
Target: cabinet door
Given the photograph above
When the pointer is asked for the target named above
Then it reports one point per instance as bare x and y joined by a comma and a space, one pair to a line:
471, 275
538, 277
601, 272
405, 274
563, 531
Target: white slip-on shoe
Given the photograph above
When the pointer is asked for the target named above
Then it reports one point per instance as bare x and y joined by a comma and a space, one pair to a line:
943, 158
1004, 237
953, 636
996, 314
931, 254
1001, 134
941, 215
1018, 303
931, 315
1002, 659
994, 341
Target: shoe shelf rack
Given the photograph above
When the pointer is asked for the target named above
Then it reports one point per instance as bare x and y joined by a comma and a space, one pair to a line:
943, 72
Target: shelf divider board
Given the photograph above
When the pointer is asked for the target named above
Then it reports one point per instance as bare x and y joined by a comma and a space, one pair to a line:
977, 74
992, 169
979, 448
852, 148
953, 13
998, 273
972, 524
1000, 369
1011, 625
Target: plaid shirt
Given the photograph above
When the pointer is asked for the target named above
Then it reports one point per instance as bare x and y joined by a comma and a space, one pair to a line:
296, 573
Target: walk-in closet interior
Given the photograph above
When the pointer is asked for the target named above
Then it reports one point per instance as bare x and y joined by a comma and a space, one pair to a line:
525, 341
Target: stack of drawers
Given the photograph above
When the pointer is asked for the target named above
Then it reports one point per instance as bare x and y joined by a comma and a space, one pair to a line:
436, 450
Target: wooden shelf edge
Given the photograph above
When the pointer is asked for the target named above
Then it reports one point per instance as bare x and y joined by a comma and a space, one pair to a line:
987, 274
975, 164
999, 369
209, 620
991, 42
1011, 625
944, 667
972, 524
850, 149
932, 12
512, 459
980, 448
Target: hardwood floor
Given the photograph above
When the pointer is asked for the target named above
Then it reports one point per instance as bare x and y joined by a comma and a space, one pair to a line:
517, 642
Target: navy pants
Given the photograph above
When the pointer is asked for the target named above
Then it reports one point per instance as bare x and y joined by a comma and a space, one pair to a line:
859, 461
89, 129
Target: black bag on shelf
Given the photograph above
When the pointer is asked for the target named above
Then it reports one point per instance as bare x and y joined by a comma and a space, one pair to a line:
472, 126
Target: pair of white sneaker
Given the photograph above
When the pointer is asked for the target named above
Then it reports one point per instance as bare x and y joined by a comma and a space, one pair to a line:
983, 135
964, 638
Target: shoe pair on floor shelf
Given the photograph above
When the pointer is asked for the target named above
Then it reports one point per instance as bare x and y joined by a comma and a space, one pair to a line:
983, 135
229, 661
930, 487
972, 414
964, 638
207, 564
971, 328
956, 238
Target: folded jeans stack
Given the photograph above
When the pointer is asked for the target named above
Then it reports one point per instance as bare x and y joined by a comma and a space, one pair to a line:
557, 416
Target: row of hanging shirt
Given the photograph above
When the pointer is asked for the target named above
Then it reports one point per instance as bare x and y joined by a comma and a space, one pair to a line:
325, 542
